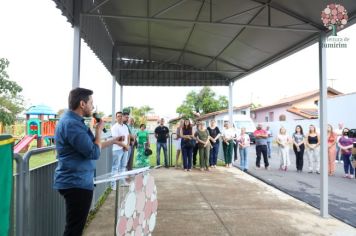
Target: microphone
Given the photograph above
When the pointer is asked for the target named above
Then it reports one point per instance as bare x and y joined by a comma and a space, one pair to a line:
98, 119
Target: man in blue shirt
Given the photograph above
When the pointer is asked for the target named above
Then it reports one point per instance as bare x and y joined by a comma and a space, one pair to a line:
77, 149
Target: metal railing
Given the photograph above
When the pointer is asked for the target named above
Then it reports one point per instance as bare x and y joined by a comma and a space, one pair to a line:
17, 204
39, 209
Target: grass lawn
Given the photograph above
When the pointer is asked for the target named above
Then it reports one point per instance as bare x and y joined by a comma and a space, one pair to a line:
180, 162
39, 159
42, 159
48, 157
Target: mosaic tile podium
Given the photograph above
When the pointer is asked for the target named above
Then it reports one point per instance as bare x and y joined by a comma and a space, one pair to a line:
136, 214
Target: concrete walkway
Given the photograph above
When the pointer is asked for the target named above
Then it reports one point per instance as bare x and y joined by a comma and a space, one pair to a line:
224, 202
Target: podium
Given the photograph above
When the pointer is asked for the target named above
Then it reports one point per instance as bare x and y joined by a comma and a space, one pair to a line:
137, 213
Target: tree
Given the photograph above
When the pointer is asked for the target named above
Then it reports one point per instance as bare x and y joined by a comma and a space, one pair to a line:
11, 102
203, 102
60, 112
139, 114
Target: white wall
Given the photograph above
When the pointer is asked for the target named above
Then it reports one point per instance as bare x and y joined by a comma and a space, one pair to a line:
342, 109
221, 116
339, 109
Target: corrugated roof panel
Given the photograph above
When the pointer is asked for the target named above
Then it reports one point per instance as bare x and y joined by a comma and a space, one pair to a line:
216, 41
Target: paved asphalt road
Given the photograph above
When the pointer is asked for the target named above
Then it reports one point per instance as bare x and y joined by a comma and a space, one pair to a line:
306, 187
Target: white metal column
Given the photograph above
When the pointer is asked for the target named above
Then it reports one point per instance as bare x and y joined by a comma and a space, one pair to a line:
230, 103
121, 97
324, 203
113, 101
76, 44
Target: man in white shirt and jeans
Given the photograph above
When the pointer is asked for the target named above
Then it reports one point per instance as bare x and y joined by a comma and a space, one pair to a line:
120, 151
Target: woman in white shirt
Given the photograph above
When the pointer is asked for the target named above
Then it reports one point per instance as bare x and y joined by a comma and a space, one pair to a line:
244, 142
283, 142
228, 135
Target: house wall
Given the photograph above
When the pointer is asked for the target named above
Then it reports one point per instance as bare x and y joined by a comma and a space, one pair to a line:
220, 117
342, 109
260, 116
151, 125
339, 109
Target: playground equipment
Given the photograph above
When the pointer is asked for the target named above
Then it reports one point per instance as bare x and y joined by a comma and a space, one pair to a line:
40, 125
24, 142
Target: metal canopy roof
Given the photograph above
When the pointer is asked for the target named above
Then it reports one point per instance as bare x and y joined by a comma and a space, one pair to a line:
195, 42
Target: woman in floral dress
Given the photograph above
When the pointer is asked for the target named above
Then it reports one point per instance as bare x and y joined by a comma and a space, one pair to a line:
143, 141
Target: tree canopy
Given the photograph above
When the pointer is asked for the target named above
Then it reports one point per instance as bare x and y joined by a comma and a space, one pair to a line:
139, 114
11, 102
202, 102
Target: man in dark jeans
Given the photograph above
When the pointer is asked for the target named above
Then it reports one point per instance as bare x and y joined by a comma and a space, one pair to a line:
162, 133
77, 149
261, 146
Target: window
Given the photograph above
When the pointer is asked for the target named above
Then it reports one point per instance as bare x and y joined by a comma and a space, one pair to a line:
282, 117
266, 118
243, 112
271, 116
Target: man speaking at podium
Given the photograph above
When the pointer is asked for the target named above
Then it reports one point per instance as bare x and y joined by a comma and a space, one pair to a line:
77, 150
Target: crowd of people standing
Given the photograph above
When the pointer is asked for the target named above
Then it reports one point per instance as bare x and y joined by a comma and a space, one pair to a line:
197, 138
194, 138
339, 145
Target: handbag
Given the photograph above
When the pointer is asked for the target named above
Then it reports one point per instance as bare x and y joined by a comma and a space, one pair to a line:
148, 151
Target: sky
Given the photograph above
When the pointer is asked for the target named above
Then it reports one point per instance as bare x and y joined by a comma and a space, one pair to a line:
38, 42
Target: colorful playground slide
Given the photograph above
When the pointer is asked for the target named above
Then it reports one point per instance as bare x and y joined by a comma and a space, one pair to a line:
24, 142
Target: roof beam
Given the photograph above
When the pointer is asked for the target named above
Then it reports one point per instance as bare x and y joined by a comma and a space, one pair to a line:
190, 33
159, 66
280, 56
169, 8
211, 10
240, 13
148, 30
168, 20
180, 70
186, 51
97, 6
236, 36
294, 15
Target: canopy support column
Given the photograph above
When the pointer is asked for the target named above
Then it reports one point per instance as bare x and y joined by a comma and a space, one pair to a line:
324, 204
121, 97
113, 101
231, 84
77, 5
